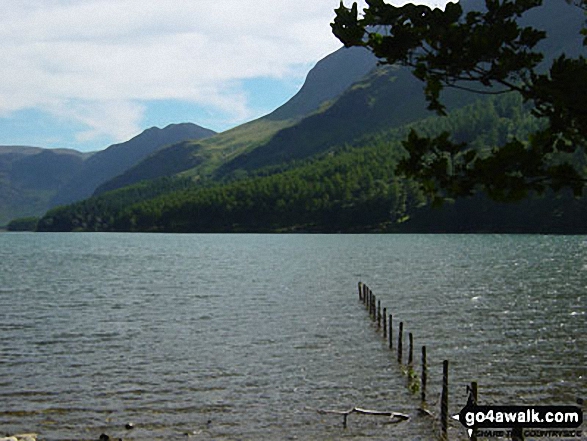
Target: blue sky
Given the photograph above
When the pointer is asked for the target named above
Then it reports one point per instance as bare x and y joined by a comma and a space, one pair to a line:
85, 74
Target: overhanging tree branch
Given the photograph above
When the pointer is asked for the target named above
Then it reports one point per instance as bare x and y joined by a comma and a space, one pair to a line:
488, 48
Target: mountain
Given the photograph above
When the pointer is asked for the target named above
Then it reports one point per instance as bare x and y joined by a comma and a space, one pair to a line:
118, 158
328, 79
325, 82
390, 96
345, 96
31, 176
561, 20
386, 97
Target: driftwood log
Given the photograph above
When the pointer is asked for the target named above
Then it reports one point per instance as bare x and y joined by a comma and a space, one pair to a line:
394, 417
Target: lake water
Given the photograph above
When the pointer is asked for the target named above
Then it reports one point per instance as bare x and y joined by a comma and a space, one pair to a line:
231, 337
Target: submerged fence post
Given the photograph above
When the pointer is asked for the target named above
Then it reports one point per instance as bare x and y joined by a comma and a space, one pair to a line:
444, 402
378, 314
390, 331
400, 342
424, 374
411, 349
517, 434
384, 322
361, 291
474, 397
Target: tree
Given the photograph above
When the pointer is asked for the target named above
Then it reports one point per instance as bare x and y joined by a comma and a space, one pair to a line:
485, 52
23, 224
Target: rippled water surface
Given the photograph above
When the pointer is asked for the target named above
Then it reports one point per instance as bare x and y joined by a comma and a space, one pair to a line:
245, 336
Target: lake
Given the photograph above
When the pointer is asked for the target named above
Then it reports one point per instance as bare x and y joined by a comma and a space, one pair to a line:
245, 337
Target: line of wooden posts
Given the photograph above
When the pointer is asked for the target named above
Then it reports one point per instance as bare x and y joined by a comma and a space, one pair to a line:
385, 324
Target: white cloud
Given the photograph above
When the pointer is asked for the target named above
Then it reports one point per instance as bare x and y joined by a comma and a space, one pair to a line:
98, 61
118, 119
108, 56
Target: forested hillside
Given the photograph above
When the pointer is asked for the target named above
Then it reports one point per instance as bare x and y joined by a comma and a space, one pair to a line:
349, 188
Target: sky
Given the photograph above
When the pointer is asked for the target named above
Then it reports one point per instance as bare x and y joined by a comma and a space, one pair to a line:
85, 74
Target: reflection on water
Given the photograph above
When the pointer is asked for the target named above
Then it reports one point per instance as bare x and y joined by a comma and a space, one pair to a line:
245, 336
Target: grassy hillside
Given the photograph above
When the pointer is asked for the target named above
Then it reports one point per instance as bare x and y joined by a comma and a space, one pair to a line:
325, 82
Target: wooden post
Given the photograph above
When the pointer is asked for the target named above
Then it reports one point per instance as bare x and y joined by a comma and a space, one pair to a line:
474, 397
384, 322
517, 434
364, 294
474, 391
400, 342
378, 314
373, 300
444, 402
424, 374
360, 290
411, 349
390, 331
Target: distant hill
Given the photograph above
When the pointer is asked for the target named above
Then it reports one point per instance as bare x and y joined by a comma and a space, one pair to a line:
31, 176
34, 179
118, 158
167, 162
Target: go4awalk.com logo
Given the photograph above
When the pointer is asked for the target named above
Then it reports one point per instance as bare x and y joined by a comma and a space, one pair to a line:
535, 421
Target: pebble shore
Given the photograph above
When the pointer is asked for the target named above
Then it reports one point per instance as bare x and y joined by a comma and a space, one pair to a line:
21, 437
